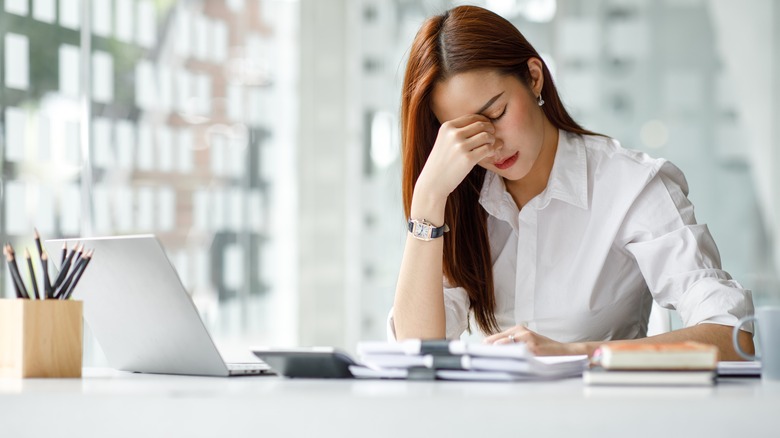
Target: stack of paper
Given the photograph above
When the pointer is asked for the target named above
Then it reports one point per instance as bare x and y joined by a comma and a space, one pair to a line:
456, 360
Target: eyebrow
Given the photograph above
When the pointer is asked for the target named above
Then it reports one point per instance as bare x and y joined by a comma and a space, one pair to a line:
489, 102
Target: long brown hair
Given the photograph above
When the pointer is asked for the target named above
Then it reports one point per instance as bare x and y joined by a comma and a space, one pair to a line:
463, 39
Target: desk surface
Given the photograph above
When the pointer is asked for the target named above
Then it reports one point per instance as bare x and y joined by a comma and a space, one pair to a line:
118, 404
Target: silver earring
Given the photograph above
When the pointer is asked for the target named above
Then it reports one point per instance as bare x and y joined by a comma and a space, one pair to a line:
539, 100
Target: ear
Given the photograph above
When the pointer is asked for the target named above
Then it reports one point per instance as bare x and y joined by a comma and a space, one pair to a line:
536, 73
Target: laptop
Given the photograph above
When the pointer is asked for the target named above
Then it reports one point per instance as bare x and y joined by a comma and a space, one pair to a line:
141, 314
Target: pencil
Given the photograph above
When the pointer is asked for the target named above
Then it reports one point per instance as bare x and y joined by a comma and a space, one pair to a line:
15, 271
33, 280
64, 253
60, 294
79, 251
38, 242
10, 272
83, 267
47, 289
64, 269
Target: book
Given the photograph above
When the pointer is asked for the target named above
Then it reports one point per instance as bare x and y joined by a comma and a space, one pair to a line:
665, 356
599, 376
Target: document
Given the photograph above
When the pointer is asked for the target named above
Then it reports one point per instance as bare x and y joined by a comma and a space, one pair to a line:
456, 360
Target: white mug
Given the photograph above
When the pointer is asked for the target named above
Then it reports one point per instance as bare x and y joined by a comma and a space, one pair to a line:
768, 319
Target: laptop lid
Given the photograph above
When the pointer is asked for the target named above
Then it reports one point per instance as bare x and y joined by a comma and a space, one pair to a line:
139, 311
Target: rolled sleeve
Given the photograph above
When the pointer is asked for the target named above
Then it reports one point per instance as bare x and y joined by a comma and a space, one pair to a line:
678, 258
456, 312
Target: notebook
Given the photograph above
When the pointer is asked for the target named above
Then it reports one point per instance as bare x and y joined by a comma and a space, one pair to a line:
141, 314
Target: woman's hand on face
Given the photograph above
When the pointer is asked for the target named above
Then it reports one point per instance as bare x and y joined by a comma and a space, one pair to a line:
537, 344
460, 145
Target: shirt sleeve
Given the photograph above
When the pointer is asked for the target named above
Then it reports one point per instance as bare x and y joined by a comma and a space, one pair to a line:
456, 313
678, 258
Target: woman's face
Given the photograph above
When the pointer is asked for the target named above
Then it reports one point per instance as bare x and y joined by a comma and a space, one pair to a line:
510, 105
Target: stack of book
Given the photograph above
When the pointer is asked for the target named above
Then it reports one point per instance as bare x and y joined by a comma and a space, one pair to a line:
666, 364
456, 360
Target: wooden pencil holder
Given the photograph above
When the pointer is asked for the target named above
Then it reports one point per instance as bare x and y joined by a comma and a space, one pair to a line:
40, 338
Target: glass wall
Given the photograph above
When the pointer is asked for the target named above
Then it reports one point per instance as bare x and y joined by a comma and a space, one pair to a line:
169, 117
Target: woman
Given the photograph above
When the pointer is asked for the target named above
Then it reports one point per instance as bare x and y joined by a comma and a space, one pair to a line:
545, 232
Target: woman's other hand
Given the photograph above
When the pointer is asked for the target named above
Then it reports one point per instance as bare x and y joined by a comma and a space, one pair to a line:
537, 344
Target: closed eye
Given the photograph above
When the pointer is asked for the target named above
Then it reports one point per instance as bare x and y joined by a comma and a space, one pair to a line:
493, 119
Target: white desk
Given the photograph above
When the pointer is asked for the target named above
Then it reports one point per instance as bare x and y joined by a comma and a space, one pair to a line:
107, 403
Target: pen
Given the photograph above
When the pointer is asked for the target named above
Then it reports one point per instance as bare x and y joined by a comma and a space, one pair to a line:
64, 253
32, 274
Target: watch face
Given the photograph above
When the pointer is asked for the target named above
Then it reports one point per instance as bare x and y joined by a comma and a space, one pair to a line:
419, 229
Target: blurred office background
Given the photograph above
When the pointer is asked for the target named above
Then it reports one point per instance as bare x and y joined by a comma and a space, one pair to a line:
259, 138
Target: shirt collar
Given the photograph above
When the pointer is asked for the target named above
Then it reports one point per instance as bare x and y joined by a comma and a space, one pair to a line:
568, 182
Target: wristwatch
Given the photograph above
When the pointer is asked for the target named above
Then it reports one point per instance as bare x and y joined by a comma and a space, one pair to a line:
424, 230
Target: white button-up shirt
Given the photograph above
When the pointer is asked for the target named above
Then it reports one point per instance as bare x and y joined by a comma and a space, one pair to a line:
583, 260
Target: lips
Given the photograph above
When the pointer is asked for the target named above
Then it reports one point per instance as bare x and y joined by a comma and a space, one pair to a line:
507, 162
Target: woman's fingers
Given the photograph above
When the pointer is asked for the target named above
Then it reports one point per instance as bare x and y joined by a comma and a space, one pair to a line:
519, 332
476, 128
